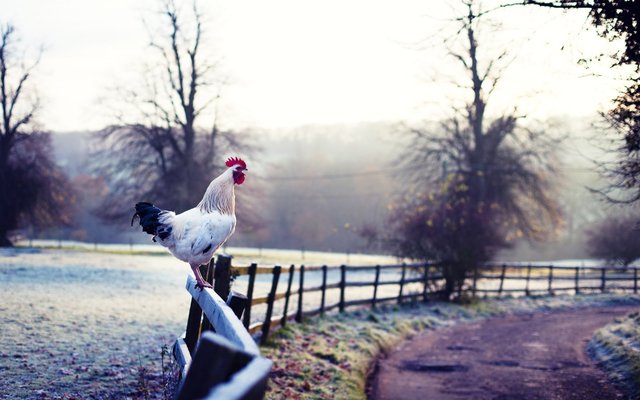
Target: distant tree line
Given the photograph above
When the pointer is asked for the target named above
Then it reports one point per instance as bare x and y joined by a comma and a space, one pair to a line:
33, 189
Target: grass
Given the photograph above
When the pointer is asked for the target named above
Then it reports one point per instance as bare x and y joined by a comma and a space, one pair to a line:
617, 348
330, 357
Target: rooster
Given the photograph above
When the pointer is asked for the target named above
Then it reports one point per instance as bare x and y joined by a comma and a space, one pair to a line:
194, 235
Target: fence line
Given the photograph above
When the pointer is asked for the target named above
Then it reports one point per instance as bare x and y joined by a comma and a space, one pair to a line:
216, 365
489, 280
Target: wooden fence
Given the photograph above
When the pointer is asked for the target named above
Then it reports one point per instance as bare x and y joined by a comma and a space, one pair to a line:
228, 365
217, 357
490, 280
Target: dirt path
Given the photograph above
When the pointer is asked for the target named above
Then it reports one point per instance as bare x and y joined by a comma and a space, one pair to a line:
539, 356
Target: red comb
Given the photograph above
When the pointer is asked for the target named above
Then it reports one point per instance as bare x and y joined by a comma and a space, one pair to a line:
235, 161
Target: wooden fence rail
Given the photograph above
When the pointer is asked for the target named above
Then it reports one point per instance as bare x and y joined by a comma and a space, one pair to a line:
217, 357
227, 364
490, 280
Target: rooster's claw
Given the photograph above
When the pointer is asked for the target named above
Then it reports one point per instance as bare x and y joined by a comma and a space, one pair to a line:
202, 285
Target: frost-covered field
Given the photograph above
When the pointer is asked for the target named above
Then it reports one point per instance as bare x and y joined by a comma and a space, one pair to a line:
617, 348
76, 323
85, 325
81, 324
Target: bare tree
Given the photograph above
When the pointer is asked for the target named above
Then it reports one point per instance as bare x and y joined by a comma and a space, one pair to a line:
481, 183
33, 190
164, 151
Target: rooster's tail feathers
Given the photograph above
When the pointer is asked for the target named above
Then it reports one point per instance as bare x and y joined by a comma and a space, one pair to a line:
149, 220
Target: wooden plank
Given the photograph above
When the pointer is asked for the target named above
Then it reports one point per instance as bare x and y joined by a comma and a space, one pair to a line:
323, 288
402, 276
384, 299
241, 271
388, 283
249, 383
474, 284
357, 284
255, 327
215, 361
272, 298
237, 302
287, 295
504, 270
425, 283
399, 266
300, 293
252, 279
182, 355
331, 307
222, 275
526, 290
265, 299
319, 288
391, 266
343, 281
222, 317
208, 276
376, 281
193, 322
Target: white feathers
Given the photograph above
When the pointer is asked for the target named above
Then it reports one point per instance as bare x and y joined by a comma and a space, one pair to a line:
197, 233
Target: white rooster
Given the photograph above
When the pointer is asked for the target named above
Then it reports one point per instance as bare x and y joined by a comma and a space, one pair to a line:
194, 235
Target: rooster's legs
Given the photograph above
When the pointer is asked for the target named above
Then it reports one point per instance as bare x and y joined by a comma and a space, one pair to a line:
200, 283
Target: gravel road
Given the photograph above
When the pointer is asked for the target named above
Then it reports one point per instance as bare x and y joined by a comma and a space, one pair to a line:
536, 356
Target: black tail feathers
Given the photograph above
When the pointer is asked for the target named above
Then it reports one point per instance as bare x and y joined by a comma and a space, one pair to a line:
148, 214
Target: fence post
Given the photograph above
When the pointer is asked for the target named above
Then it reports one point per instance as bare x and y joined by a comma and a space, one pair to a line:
504, 269
324, 289
577, 279
425, 282
237, 302
192, 333
300, 292
526, 290
252, 279
343, 281
286, 296
193, 326
551, 279
375, 287
602, 279
461, 285
271, 299
208, 276
635, 280
474, 286
222, 275
402, 276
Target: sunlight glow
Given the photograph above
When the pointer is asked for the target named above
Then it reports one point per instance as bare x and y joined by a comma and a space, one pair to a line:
288, 62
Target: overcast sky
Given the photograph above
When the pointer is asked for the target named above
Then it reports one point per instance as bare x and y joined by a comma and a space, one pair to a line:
291, 62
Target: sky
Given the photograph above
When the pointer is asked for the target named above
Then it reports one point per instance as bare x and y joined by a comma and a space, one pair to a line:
290, 62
